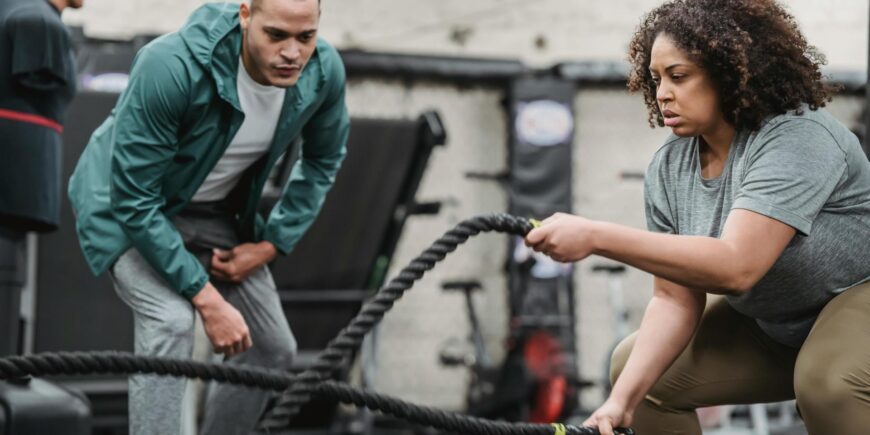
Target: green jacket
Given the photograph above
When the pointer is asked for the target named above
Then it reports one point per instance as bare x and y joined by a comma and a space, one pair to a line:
170, 127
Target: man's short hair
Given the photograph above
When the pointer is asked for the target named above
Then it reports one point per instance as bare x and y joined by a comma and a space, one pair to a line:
255, 4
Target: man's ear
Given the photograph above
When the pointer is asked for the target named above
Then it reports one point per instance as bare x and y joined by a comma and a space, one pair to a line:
244, 15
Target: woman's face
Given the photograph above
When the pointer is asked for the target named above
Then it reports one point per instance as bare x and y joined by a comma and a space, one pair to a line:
686, 96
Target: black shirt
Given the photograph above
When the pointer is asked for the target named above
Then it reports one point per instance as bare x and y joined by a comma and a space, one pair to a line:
37, 81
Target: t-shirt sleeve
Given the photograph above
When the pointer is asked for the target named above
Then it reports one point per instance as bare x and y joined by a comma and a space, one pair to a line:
657, 207
791, 172
40, 48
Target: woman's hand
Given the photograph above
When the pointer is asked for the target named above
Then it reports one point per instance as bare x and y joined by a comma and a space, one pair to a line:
610, 415
563, 237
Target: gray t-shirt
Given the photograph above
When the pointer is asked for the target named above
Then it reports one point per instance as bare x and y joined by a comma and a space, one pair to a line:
807, 171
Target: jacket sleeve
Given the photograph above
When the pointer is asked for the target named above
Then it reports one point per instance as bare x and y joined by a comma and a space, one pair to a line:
145, 141
40, 50
324, 140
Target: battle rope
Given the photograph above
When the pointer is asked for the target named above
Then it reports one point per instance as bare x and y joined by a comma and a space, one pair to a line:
112, 362
315, 379
351, 337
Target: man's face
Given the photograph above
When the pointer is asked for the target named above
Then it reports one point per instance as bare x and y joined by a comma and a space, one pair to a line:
279, 38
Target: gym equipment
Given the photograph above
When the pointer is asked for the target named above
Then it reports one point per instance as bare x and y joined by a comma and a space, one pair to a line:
480, 398
34, 407
540, 290
618, 312
324, 281
315, 379
532, 374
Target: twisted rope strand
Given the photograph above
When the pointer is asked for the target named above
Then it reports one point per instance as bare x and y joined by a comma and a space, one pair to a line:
111, 362
298, 389
351, 337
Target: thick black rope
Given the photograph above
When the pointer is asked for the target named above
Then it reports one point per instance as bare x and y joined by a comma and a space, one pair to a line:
106, 362
315, 379
351, 337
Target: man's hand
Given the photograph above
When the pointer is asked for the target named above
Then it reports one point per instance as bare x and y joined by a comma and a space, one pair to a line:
224, 325
238, 263
563, 237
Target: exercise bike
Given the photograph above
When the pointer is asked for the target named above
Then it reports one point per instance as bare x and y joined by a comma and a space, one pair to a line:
530, 385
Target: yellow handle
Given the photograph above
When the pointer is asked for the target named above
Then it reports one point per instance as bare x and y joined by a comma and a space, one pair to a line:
537, 224
559, 429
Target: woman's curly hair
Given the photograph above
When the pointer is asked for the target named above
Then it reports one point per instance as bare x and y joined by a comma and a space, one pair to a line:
753, 51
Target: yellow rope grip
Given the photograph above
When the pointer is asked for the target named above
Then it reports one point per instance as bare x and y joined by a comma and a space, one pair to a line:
537, 224
559, 429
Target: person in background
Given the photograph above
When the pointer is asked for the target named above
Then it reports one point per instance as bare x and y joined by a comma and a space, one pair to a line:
37, 82
167, 189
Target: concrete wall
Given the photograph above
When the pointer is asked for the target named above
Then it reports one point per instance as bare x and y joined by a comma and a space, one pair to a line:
612, 137
413, 331
538, 32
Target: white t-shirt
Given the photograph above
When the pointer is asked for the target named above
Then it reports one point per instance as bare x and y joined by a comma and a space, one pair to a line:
262, 107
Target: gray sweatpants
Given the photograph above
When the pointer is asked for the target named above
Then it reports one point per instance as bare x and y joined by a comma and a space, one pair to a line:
164, 326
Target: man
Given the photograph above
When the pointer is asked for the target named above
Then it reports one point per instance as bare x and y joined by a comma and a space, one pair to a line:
167, 189
37, 81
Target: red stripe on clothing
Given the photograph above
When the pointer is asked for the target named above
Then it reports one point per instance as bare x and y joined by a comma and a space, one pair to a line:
32, 119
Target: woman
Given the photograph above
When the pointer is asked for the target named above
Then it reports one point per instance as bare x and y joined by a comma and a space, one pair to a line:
759, 198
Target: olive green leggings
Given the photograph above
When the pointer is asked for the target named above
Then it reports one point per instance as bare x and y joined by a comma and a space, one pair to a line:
731, 361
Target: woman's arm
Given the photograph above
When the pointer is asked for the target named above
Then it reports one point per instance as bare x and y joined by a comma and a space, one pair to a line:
670, 321
749, 245
668, 324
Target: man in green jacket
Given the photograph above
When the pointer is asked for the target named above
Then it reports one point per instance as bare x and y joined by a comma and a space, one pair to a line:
166, 192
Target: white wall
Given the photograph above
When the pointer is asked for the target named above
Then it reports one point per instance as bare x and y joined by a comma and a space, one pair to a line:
612, 137
571, 29
425, 317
